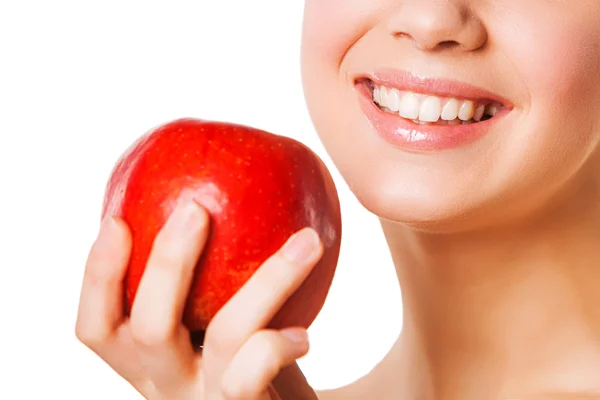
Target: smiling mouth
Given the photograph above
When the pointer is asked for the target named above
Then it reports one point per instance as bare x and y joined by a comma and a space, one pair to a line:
429, 109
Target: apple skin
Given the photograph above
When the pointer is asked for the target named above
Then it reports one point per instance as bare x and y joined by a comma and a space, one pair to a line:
258, 188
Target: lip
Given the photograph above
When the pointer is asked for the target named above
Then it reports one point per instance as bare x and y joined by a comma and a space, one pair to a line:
410, 136
438, 87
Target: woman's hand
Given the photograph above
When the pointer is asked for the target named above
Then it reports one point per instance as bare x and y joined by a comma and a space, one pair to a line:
152, 350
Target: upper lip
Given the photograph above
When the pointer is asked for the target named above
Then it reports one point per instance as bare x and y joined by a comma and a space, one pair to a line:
404, 80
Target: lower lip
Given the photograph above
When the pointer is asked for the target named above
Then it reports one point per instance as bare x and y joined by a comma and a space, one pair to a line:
410, 136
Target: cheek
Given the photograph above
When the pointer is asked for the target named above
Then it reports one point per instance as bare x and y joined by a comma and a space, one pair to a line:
559, 74
556, 59
552, 61
331, 27
558, 127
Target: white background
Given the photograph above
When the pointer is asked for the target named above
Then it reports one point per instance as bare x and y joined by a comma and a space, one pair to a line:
79, 81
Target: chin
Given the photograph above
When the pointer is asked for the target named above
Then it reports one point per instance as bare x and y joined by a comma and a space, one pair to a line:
430, 206
419, 204
429, 201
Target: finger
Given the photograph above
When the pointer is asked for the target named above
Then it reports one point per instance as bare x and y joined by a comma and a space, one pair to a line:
260, 359
163, 342
100, 316
255, 304
101, 302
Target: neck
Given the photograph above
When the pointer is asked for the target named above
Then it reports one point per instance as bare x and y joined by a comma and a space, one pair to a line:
514, 309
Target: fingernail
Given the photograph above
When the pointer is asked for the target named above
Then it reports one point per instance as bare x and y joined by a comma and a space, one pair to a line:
301, 246
296, 335
186, 216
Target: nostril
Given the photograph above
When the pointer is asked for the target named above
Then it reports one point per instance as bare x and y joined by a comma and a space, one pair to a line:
447, 44
437, 25
439, 46
402, 35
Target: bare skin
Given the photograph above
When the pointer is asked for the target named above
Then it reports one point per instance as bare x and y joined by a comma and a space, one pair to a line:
495, 245
509, 315
151, 348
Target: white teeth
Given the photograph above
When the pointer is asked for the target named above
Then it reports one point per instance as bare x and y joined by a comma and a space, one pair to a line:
479, 113
394, 100
383, 96
409, 106
450, 110
430, 109
467, 110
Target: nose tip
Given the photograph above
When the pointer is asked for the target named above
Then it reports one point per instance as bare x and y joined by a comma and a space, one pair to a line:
434, 25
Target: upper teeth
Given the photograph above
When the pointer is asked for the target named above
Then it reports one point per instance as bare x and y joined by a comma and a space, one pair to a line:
428, 108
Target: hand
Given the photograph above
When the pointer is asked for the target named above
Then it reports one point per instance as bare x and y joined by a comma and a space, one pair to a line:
152, 350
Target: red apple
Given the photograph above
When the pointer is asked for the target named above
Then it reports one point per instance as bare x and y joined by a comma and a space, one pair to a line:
258, 187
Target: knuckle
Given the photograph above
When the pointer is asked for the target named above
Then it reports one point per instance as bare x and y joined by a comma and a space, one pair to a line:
99, 266
92, 338
263, 355
269, 352
166, 251
103, 266
235, 387
107, 244
232, 390
101, 274
147, 334
96, 253
280, 272
219, 340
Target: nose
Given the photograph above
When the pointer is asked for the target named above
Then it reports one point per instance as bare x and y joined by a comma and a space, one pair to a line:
436, 24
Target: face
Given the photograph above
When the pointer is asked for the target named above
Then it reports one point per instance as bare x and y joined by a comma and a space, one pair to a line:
459, 113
